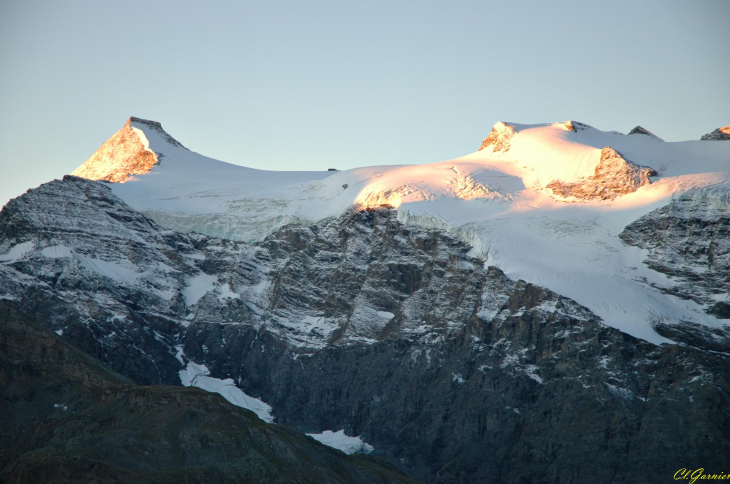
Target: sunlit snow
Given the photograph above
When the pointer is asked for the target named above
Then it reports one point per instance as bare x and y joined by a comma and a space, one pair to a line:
495, 200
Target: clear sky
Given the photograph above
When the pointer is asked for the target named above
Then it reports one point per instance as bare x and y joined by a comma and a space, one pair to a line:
318, 84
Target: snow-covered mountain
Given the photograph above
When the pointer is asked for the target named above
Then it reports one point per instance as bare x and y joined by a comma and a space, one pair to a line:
545, 203
459, 319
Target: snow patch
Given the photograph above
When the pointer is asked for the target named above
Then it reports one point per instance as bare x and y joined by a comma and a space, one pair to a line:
225, 292
142, 138
531, 371
197, 376
338, 440
57, 252
620, 392
17, 252
121, 272
197, 287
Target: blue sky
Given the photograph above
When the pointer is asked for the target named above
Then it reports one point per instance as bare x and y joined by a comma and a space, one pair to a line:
319, 84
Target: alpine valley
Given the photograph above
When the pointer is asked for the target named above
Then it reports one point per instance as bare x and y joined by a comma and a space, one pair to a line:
553, 308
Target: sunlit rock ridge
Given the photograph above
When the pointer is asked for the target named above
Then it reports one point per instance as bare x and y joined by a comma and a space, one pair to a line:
126, 153
720, 134
614, 176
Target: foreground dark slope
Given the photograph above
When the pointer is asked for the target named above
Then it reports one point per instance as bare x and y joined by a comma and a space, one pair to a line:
66, 417
472, 378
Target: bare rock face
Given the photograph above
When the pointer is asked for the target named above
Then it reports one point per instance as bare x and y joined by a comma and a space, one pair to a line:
499, 138
575, 126
643, 131
720, 134
614, 176
124, 154
689, 241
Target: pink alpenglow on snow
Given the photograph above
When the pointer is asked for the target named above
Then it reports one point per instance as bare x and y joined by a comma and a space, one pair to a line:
566, 188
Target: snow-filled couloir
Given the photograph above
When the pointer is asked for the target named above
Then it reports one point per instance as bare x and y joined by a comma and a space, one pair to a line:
545, 203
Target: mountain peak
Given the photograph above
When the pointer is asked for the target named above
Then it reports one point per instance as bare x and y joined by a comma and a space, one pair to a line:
146, 124
575, 126
499, 138
128, 152
644, 131
720, 134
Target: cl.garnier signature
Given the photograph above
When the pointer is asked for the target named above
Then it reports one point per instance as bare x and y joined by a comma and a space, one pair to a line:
699, 474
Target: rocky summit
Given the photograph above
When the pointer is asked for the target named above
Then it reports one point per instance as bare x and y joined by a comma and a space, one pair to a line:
548, 310
720, 134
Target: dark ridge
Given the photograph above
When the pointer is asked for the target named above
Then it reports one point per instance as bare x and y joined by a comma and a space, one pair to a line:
66, 417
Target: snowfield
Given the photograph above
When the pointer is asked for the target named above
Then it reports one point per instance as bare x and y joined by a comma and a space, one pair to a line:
194, 375
497, 199
338, 440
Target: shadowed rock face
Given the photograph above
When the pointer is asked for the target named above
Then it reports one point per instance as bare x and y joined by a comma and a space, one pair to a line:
689, 241
614, 176
720, 134
67, 418
452, 371
575, 126
643, 131
504, 401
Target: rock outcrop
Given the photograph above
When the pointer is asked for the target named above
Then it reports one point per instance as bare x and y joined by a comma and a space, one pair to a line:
643, 131
614, 176
720, 134
499, 138
575, 126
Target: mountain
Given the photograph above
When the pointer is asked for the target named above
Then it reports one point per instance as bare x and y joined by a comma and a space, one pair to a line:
545, 309
567, 188
644, 132
720, 134
67, 418
126, 153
